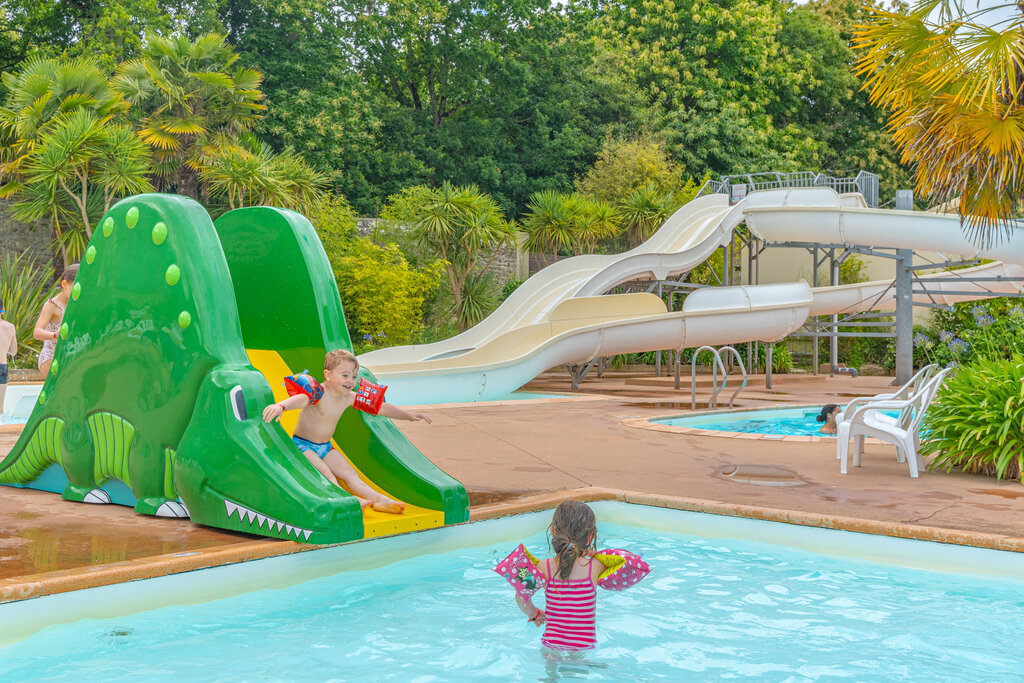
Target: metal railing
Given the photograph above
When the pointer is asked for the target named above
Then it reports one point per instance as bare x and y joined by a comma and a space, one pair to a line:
864, 182
743, 369
716, 363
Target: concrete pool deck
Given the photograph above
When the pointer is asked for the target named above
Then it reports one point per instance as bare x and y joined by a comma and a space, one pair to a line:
529, 455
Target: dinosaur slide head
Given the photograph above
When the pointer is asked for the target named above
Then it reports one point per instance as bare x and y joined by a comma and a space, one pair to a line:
235, 471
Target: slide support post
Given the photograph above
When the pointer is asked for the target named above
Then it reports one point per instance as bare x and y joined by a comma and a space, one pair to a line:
904, 316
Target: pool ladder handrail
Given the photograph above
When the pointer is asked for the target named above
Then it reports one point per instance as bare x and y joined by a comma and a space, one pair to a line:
716, 363
743, 369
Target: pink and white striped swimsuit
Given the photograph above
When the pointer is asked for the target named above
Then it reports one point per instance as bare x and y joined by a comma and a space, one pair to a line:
569, 613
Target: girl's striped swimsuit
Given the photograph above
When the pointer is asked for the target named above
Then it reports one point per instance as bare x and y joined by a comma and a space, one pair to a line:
569, 613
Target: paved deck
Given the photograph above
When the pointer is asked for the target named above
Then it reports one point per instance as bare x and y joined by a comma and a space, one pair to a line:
522, 450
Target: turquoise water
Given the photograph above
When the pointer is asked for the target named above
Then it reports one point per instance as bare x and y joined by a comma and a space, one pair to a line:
711, 609
788, 421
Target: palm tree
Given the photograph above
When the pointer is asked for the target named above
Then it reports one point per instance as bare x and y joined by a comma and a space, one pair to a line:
75, 171
598, 221
247, 172
188, 94
63, 156
643, 211
955, 90
571, 222
550, 223
465, 228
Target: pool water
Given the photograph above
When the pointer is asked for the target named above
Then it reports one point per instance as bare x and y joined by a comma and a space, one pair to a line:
711, 608
785, 421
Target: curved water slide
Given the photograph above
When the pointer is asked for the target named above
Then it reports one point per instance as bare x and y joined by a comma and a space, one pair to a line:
583, 328
822, 216
684, 241
571, 327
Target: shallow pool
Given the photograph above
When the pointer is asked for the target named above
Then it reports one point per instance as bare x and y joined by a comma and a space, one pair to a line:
715, 606
785, 421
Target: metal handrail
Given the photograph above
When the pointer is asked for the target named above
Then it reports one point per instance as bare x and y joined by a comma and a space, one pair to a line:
866, 183
715, 364
743, 369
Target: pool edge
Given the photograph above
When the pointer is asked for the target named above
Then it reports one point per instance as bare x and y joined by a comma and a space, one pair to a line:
94, 576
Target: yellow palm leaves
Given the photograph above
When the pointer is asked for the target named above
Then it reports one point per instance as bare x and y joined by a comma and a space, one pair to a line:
953, 83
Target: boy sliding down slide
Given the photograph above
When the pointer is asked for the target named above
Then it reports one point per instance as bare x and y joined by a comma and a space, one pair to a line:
319, 413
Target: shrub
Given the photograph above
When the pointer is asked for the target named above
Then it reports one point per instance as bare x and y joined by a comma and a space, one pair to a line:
332, 215
976, 423
382, 295
511, 285
782, 359
24, 288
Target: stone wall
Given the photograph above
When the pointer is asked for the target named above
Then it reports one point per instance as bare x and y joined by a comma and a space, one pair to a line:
512, 261
17, 238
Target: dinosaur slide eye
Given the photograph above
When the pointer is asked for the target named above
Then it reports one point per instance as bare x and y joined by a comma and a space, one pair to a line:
238, 404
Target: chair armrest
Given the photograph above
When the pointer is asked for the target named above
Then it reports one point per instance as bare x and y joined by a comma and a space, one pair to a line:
877, 405
869, 400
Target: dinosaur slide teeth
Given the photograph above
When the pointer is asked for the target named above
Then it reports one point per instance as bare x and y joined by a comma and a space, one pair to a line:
251, 516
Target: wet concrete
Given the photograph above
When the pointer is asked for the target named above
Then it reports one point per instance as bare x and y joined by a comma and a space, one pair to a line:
502, 453
41, 533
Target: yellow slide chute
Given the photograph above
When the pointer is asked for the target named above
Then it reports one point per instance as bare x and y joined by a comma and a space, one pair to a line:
274, 369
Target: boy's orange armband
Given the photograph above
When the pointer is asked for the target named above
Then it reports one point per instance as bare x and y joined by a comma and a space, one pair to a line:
302, 383
369, 397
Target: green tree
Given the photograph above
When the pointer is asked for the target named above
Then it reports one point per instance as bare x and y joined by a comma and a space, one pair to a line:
643, 212
66, 157
626, 165
465, 228
954, 90
712, 68
188, 96
383, 296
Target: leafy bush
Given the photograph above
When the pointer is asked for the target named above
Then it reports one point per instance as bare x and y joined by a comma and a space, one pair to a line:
332, 215
976, 423
24, 288
782, 359
972, 331
382, 295
511, 285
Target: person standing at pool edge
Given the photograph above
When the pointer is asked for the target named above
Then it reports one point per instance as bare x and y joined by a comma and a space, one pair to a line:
828, 416
319, 413
48, 326
8, 347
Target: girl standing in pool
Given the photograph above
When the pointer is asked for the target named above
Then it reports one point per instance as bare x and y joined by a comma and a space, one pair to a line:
48, 326
571, 590
828, 416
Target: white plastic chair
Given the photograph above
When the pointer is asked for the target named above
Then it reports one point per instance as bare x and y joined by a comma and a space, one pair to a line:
902, 394
868, 420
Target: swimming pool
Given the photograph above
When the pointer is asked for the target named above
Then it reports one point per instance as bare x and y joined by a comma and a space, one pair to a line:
19, 400
784, 421
427, 607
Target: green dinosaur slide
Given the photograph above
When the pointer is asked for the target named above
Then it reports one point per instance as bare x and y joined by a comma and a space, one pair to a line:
153, 400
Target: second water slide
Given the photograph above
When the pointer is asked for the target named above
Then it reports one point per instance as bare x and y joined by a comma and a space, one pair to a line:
556, 322
821, 216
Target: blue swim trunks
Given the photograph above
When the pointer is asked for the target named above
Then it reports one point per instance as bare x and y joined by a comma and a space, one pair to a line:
321, 449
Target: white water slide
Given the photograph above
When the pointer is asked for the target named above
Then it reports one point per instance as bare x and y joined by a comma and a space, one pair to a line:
558, 315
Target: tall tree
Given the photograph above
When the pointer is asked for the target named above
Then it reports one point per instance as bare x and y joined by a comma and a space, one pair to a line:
465, 229
187, 93
66, 157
